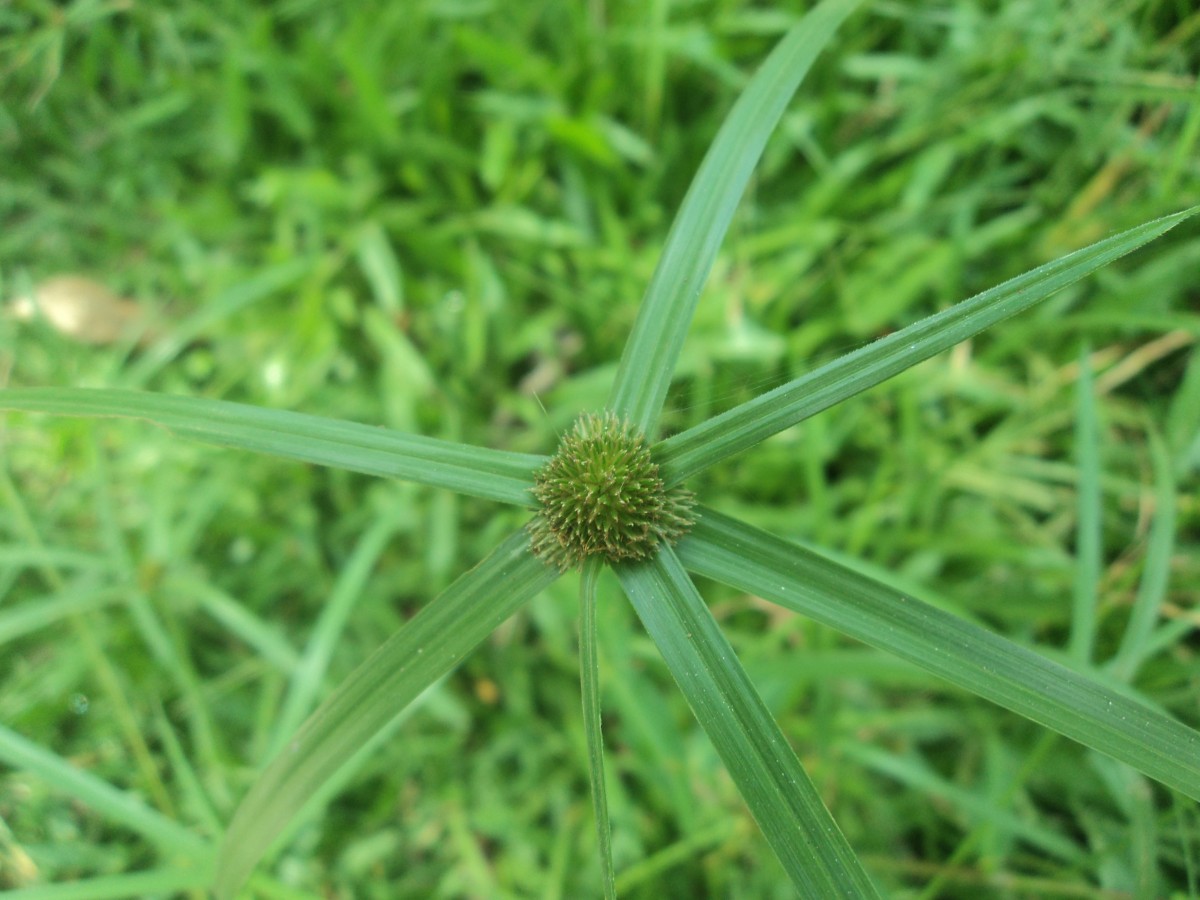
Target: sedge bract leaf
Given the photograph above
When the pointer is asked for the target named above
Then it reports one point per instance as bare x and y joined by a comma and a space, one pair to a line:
691, 451
976, 660
649, 358
433, 643
778, 791
492, 474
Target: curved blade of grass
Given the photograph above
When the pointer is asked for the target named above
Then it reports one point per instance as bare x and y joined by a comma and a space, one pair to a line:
492, 474
775, 787
1156, 575
173, 882
218, 308
265, 637
1088, 538
655, 868
964, 654
961, 802
696, 234
744, 426
309, 675
77, 598
118, 807
426, 648
589, 670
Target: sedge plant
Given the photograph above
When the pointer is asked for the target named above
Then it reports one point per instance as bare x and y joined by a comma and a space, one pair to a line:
613, 494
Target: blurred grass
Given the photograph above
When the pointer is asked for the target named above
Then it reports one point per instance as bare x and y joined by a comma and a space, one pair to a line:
440, 216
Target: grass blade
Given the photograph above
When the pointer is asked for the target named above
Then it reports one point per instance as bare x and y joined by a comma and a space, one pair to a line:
77, 598
966, 655
425, 649
744, 426
589, 669
309, 675
1152, 589
917, 775
218, 308
763, 766
492, 474
174, 882
1088, 541
666, 311
265, 637
118, 807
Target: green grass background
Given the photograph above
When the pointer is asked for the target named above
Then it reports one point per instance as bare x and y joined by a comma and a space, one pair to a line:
440, 216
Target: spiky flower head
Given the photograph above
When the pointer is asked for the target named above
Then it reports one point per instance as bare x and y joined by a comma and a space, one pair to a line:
601, 495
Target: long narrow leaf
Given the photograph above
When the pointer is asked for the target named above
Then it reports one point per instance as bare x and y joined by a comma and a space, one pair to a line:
173, 882
964, 654
118, 807
1156, 575
425, 649
744, 426
215, 309
493, 474
265, 637
666, 311
309, 675
589, 669
763, 766
1088, 538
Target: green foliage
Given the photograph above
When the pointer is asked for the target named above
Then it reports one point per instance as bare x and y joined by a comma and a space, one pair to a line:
435, 219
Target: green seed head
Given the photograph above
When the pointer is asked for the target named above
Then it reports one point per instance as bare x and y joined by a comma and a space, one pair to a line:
601, 494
